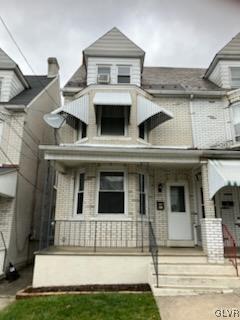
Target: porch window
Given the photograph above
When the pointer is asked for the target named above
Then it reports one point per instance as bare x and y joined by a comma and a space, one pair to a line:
112, 120
177, 196
80, 192
235, 77
142, 193
111, 193
124, 74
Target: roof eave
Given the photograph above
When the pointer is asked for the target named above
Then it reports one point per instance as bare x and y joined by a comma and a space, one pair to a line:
216, 59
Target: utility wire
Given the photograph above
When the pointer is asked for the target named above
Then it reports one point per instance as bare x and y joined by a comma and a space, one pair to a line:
25, 59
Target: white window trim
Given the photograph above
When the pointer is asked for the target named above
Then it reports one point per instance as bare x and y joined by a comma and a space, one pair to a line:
99, 117
146, 178
79, 133
130, 73
79, 216
109, 216
232, 121
231, 79
1, 129
146, 134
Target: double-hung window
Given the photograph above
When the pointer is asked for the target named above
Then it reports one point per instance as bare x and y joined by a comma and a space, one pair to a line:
142, 193
80, 193
142, 131
104, 72
235, 77
113, 120
82, 130
236, 120
111, 195
124, 74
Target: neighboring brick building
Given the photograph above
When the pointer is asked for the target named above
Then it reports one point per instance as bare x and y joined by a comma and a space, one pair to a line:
146, 144
23, 101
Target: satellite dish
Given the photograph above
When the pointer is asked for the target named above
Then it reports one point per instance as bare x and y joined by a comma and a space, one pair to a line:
56, 121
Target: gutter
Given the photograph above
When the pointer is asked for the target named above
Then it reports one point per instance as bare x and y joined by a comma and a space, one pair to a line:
207, 93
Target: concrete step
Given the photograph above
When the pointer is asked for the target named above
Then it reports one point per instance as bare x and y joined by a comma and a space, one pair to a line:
185, 281
183, 259
196, 269
179, 291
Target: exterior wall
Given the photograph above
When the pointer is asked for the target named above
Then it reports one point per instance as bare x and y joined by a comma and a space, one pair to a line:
92, 69
11, 85
65, 206
11, 139
90, 269
177, 131
211, 123
22, 134
211, 227
221, 75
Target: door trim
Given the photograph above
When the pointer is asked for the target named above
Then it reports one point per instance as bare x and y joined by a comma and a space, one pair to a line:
180, 242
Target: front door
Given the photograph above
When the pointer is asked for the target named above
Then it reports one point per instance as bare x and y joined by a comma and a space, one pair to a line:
179, 218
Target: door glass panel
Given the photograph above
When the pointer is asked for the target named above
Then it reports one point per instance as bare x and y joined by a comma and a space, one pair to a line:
177, 196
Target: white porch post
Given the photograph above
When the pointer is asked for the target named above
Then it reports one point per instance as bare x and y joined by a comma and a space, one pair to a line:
211, 227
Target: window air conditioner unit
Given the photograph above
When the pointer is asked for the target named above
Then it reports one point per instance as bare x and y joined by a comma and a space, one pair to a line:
103, 78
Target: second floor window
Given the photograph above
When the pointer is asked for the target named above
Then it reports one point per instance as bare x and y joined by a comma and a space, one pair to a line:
82, 130
124, 74
235, 77
112, 120
104, 74
236, 121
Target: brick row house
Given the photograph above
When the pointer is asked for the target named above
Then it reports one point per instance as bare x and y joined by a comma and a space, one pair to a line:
23, 101
147, 159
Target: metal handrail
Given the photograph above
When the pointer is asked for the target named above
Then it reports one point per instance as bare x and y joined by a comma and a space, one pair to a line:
3, 249
230, 247
153, 248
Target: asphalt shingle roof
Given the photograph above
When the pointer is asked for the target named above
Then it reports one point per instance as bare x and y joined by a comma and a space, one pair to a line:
37, 84
160, 78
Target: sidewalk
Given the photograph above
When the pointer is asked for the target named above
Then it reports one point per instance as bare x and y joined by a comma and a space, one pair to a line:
200, 307
8, 290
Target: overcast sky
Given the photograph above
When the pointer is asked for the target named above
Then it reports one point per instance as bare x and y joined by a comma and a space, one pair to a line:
180, 33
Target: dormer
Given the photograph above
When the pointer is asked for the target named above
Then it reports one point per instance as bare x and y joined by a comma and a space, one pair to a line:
224, 70
113, 59
12, 81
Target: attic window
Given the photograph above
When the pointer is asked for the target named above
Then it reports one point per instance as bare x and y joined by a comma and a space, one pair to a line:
124, 74
235, 75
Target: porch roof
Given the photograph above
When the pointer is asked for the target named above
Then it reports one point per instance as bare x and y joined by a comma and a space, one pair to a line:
223, 173
71, 155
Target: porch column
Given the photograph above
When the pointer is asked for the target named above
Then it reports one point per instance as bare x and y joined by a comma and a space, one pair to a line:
211, 227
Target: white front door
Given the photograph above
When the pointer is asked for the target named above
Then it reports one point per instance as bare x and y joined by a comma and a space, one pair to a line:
179, 217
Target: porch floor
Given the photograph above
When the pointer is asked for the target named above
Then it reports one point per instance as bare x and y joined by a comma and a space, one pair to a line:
162, 251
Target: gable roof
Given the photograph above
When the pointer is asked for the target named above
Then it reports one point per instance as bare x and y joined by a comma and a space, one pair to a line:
230, 51
114, 44
6, 63
37, 84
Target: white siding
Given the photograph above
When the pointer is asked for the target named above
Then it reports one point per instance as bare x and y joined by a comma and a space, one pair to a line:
209, 123
221, 75
11, 85
93, 63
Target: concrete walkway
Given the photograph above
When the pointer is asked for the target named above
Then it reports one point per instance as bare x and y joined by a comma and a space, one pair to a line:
8, 290
200, 307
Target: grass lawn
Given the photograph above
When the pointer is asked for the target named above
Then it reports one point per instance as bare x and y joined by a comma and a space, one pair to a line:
106, 306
